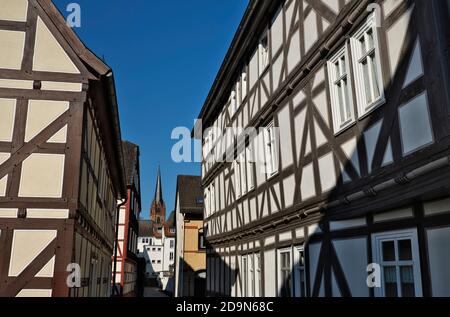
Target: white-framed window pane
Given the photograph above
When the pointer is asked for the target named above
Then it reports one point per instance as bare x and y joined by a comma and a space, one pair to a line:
258, 287
244, 84
243, 173
250, 162
340, 90
299, 272
397, 254
271, 150
237, 178
286, 274
375, 79
367, 81
238, 94
390, 281
407, 281
244, 276
213, 199
367, 68
263, 53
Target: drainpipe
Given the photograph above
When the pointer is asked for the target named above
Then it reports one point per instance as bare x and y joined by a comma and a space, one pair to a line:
115, 291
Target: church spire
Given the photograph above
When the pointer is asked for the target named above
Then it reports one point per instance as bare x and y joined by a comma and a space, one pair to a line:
158, 190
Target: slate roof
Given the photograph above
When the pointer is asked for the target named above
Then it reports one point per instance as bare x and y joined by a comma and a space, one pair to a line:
145, 228
190, 194
131, 157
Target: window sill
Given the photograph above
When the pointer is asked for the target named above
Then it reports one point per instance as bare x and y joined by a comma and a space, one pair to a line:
272, 176
341, 130
372, 107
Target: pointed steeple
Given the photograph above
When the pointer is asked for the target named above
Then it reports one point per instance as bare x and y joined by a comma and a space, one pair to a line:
158, 190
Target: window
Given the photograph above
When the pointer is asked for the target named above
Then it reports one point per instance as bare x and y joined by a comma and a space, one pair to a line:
213, 198
159, 249
238, 95
258, 287
340, 89
367, 67
397, 254
244, 85
285, 272
251, 261
299, 273
271, 150
153, 249
250, 162
209, 147
233, 99
243, 173
172, 244
263, 52
171, 256
237, 178
153, 261
199, 201
159, 262
201, 239
244, 276
207, 209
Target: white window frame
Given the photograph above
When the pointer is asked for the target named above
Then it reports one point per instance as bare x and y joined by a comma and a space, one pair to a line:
213, 198
250, 164
263, 53
377, 244
271, 150
279, 272
243, 173
297, 272
333, 81
258, 276
244, 85
244, 278
251, 276
357, 56
207, 211
237, 178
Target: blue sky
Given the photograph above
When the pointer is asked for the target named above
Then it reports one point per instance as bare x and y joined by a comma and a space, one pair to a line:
165, 56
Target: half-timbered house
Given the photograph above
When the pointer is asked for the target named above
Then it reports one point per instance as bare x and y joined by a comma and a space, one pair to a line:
61, 166
351, 104
190, 255
125, 257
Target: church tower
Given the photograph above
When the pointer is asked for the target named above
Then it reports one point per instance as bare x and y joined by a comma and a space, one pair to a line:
158, 209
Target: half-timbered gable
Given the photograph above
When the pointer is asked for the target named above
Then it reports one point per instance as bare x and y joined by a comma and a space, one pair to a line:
356, 95
60, 157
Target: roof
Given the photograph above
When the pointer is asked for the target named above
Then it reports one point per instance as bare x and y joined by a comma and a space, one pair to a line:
190, 194
131, 160
244, 40
145, 228
102, 77
158, 190
171, 219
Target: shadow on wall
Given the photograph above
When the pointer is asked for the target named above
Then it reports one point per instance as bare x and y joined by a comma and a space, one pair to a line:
379, 142
193, 283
